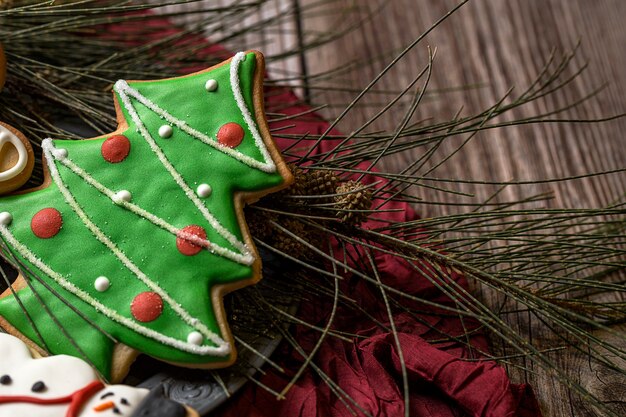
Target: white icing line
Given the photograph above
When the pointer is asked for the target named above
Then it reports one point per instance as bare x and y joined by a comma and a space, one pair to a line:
232, 239
236, 87
246, 259
223, 347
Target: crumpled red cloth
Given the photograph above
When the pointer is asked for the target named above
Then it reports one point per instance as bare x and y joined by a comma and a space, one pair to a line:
442, 382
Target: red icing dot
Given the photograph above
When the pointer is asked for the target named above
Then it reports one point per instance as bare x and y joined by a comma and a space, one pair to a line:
230, 134
147, 306
46, 223
187, 247
116, 148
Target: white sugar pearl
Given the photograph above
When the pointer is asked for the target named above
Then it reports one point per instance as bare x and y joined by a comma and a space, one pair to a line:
211, 85
121, 196
195, 338
166, 131
6, 218
203, 190
102, 284
60, 154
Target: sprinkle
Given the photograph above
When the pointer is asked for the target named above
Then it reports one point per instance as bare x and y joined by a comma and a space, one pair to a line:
102, 284
166, 131
211, 85
195, 338
204, 190
6, 218
122, 196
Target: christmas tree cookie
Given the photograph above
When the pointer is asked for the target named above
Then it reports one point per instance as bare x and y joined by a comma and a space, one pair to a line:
134, 238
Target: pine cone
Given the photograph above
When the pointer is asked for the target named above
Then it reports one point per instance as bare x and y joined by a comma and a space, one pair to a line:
259, 223
299, 184
288, 244
320, 182
350, 200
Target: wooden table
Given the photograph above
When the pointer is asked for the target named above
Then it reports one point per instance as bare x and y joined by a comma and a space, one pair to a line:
498, 44
491, 45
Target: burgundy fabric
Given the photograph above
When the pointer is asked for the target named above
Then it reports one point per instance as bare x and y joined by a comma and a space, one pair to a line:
441, 382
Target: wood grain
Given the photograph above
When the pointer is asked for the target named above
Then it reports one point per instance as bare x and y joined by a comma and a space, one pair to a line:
499, 44
492, 45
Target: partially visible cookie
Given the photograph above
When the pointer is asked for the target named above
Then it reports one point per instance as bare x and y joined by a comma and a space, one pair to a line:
65, 386
16, 158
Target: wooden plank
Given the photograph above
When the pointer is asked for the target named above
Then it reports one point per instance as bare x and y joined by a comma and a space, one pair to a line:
496, 44
499, 44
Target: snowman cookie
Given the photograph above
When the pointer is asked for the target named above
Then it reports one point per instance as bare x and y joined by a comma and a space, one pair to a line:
65, 386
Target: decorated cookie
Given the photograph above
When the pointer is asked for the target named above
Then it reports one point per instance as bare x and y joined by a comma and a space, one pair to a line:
65, 386
135, 236
16, 159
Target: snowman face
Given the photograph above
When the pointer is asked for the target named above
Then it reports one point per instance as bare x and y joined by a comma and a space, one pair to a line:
38, 380
114, 401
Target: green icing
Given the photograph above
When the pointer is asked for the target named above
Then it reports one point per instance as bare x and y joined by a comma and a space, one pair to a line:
79, 257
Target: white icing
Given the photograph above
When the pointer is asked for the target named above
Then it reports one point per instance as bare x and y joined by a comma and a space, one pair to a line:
102, 284
60, 154
195, 338
62, 375
211, 85
6, 218
13, 352
132, 395
245, 259
6, 136
204, 190
122, 196
166, 131
243, 108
